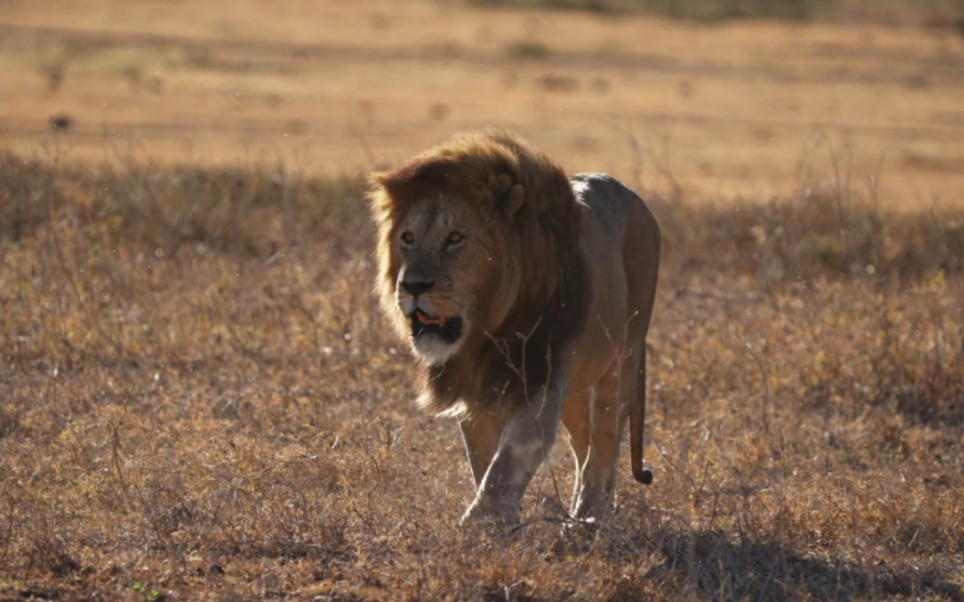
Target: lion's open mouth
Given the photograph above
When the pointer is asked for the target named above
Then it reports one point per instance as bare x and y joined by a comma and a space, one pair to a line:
448, 329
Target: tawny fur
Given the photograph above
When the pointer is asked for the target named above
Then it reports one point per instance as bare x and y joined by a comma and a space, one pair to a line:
555, 282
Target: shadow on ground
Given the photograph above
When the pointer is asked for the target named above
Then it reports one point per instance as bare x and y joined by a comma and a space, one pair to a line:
712, 565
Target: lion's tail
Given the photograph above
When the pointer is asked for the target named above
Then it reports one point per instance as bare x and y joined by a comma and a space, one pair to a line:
637, 423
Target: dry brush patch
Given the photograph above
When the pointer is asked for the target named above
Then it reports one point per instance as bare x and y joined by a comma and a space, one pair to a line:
199, 400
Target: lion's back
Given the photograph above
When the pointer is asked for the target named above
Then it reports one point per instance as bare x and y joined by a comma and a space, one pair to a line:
612, 203
620, 241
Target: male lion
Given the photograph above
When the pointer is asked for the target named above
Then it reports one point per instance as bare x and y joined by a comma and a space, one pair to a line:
527, 298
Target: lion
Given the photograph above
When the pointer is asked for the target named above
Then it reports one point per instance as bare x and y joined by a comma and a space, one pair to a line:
527, 298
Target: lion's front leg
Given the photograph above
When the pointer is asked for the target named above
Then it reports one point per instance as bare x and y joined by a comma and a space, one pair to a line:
481, 432
525, 442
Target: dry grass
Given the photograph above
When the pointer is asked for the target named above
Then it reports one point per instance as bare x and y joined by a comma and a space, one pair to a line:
198, 400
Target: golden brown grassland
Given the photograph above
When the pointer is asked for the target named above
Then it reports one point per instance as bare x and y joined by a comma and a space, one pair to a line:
199, 400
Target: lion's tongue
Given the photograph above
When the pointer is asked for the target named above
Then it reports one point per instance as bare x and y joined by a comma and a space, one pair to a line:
426, 319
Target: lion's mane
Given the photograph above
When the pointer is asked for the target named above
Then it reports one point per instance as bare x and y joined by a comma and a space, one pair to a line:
539, 257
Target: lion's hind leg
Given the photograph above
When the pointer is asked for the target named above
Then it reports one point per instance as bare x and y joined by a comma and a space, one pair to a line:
575, 417
608, 414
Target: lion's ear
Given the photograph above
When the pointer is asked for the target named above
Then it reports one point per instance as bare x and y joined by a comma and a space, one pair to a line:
509, 197
515, 200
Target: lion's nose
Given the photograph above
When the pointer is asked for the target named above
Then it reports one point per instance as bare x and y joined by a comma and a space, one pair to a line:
417, 287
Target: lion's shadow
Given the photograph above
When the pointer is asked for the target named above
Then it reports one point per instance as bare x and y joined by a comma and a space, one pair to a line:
712, 565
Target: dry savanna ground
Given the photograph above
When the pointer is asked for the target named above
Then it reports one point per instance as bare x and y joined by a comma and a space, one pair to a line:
199, 400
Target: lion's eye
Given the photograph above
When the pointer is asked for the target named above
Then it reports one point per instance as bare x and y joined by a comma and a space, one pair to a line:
408, 238
455, 239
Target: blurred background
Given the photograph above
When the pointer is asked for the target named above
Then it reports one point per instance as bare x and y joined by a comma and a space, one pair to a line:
710, 100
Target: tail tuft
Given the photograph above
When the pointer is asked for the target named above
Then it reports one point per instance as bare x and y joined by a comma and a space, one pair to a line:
644, 476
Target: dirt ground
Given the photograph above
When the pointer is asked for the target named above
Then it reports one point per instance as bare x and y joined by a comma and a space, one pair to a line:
737, 110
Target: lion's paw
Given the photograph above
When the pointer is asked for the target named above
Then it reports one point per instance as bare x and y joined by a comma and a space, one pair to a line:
490, 517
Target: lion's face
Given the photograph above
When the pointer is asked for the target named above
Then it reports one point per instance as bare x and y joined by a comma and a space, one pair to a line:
443, 251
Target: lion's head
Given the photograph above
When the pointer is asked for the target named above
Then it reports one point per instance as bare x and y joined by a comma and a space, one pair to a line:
478, 250
440, 281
